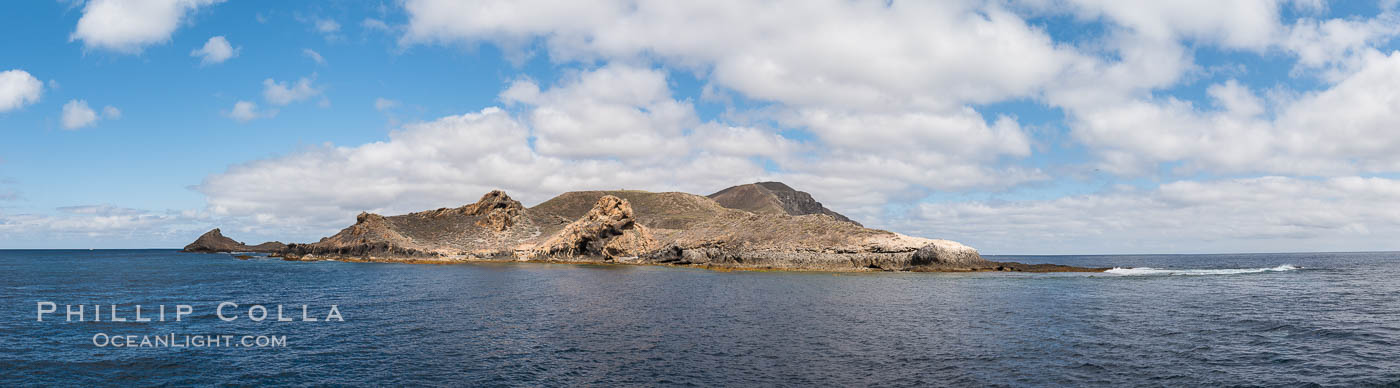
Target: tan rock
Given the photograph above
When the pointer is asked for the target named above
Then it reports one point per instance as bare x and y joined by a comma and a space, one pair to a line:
609, 230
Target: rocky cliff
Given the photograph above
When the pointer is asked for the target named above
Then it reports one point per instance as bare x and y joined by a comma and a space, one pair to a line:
640, 227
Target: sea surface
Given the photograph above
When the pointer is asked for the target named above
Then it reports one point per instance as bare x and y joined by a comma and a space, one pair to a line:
1329, 319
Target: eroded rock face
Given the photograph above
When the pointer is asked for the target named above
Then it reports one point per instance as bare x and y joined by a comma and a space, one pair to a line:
949, 254
491, 202
609, 230
497, 211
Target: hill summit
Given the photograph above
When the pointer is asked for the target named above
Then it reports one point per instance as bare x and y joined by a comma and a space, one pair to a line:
773, 198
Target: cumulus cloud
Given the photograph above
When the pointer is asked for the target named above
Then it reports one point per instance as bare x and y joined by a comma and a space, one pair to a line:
616, 111
1336, 44
315, 56
1244, 24
245, 111
864, 77
283, 93
906, 54
1266, 214
1115, 106
453, 160
17, 89
77, 114
215, 50
1342, 130
613, 127
129, 26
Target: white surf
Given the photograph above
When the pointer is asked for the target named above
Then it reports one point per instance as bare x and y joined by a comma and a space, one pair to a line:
1147, 271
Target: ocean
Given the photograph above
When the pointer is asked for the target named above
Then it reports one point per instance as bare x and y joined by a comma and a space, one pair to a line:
1328, 319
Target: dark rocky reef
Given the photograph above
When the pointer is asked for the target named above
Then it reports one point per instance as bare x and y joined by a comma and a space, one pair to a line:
214, 241
786, 230
773, 198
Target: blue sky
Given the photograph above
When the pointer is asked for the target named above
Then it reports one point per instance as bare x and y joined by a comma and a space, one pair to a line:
1033, 127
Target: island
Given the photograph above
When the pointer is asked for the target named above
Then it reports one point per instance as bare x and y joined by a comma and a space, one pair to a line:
759, 226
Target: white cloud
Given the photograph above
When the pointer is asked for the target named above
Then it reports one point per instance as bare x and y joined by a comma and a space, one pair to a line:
77, 114
1342, 130
283, 93
111, 112
1267, 214
452, 160
101, 226
908, 54
129, 26
245, 111
327, 26
374, 24
742, 141
216, 50
315, 56
859, 75
613, 127
1337, 43
17, 89
329, 29
1114, 105
425, 165
1244, 24
615, 111
381, 104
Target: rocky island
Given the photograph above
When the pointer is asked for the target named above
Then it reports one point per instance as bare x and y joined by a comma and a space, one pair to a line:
214, 241
760, 226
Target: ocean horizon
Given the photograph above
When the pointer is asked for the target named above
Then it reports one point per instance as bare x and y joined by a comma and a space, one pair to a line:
1172, 320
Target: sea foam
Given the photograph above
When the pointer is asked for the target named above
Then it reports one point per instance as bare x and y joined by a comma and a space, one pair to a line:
1146, 271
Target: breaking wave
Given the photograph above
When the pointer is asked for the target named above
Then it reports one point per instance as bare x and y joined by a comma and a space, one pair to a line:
1145, 271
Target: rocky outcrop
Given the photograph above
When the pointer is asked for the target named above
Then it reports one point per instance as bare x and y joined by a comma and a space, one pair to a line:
268, 247
793, 232
948, 254
214, 241
609, 231
773, 198
370, 236
497, 209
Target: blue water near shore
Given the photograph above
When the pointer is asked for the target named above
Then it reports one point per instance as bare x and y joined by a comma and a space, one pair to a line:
1330, 319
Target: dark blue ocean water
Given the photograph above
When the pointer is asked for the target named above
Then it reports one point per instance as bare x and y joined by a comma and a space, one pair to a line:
1334, 321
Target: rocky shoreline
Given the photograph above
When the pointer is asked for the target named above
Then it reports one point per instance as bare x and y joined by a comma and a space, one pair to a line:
762, 226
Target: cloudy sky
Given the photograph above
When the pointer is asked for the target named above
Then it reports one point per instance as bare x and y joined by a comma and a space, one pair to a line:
1015, 126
